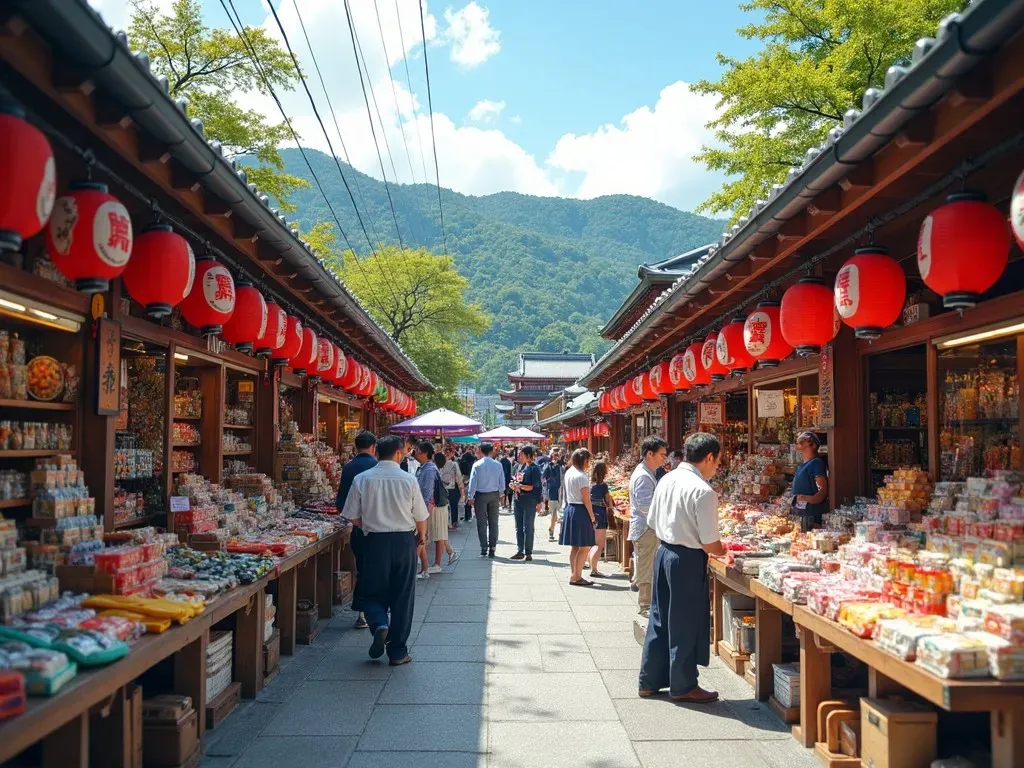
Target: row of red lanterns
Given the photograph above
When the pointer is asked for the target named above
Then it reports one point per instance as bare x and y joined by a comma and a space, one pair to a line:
574, 434
963, 249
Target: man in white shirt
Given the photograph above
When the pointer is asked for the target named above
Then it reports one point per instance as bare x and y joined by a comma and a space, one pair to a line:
387, 504
486, 485
641, 491
684, 517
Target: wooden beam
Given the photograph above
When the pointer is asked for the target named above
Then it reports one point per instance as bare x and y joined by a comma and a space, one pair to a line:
973, 89
243, 230
214, 206
858, 178
917, 133
71, 79
828, 203
151, 151
792, 230
181, 178
110, 112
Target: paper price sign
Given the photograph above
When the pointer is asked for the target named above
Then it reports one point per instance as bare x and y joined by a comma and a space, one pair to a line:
180, 504
770, 404
712, 413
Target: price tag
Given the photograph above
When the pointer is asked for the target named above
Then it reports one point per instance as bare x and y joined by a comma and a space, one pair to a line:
180, 504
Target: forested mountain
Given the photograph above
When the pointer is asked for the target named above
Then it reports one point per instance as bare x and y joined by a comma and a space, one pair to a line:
549, 271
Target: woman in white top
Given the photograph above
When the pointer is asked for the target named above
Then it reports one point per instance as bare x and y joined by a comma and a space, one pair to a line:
579, 520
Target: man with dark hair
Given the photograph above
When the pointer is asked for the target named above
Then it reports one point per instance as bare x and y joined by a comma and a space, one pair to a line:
641, 491
427, 477
486, 484
526, 484
409, 463
386, 503
466, 466
364, 459
506, 492
684, 517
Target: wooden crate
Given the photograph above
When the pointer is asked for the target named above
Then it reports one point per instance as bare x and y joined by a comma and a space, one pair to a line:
307, 625
271, 655
735, 661
226, 702
345, 583
786, 714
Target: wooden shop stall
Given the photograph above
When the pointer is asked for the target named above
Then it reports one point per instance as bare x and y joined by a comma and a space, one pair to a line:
153, 307
890, 263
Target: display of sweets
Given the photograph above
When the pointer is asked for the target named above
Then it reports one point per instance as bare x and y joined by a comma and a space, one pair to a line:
907, 489
329, 463
58, 489
233, 442
183, 461
35, 436
237, 415
25, 591
892, 409
982, 393
185, 433
130, 461
188, 402
754, 477
128, 505
13, 485
299, 469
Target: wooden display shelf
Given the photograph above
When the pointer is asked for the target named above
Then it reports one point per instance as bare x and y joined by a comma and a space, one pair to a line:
238, 453
31, 454
238, 426
187, 445
733, 659
37, 405
133, 521
188, 418
11, 503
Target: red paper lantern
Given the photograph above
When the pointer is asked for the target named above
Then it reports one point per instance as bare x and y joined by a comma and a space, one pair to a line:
160, 273
869, 292
1017, 211
643, 381
371, 384
340, 366
762, 336
602, 403
693, 370
675, 373
89, 238
808, 316
731, 350
284, 354
963, 248
211, 302
324, 363
273, 332
30, 178
305, 361
249, 320
350, 376
632, 394
659, 380
709, 358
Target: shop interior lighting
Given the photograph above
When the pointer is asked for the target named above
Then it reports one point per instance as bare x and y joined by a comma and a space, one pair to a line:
984, 334
38, 313
179, 356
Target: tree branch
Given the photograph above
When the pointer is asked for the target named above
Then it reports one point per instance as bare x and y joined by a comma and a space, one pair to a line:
156, 35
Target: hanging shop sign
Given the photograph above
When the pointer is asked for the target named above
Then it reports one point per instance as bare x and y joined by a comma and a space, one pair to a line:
712, 412
771, 404
826, 390
108, 367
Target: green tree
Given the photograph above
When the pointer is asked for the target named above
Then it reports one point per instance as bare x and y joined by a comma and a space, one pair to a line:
418, 297
208, 66
819, 58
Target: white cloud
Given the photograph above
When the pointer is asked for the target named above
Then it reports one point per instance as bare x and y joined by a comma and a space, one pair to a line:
485, 111
471, 35
649, 153
517, 119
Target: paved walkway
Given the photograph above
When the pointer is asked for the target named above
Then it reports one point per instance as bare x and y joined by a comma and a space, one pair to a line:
513, 669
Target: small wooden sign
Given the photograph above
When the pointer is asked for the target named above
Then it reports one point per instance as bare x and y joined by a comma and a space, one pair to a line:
712, 412
108, 367
826, 390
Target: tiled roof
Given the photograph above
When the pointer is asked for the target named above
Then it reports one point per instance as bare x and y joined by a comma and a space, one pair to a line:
555, 366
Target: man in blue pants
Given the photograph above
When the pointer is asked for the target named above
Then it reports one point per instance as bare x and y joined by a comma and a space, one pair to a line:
364, 459
387, 504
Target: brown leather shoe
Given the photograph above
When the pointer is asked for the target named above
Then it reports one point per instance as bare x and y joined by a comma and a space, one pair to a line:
697, 696
647, 694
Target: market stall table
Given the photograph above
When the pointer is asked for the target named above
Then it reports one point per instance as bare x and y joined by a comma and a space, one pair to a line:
625, 546
725, 579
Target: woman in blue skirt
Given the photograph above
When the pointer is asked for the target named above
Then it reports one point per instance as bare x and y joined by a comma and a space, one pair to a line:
578, 521
601, 501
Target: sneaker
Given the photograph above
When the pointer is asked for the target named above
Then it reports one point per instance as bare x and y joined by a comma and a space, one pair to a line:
380, 638
483, 553
360, 622
434, 569
423, 576
399, 662
518, 556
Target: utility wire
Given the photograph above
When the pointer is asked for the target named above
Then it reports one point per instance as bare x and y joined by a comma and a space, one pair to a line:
394, 93
344, 149
240, 31
369, 115
408, 80
337, 163
433, 135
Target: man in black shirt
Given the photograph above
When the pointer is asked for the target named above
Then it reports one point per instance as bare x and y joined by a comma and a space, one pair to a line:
364, 459
466, 466
506, 496
526, 484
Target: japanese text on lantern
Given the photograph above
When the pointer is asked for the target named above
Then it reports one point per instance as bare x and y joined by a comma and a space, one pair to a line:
120, 231
757, 329
843, 298
225, 288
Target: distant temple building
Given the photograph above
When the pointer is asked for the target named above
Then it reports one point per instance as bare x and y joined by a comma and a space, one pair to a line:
540, 375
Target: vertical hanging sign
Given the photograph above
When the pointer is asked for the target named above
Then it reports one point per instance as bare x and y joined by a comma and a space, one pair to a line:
826, 390
108, 367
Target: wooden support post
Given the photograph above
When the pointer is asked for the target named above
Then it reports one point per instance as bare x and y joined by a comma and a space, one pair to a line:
768, 642
325, 582
266, 422
68, 746
286, 603
306, 574
110, 731
717, 592
190, 676
249, 646
880, 686
332, 421
1007, 728
815, 687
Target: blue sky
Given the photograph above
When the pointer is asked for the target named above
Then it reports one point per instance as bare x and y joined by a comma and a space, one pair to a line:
562, 97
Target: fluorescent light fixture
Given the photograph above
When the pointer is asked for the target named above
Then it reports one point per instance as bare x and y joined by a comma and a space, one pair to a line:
982, 334
12, 305
179, 356
32, 311
44, 315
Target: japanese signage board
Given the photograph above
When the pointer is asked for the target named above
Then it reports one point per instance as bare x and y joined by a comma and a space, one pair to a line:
712, 412
826, 390
770, 404
108, 367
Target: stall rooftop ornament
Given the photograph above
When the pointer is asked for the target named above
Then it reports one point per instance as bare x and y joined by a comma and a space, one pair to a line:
89, 237
30, 177
870, 291
161, 271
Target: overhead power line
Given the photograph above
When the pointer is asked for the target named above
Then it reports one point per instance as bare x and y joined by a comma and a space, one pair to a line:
433, 134
394, 92
408, 81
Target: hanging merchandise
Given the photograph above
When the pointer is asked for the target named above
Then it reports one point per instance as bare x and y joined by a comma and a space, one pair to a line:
211, 301
731, 350
808, 316
869, 292
289, 349
30, 174
160, 273
709, 358
675, 373
89, 238
659, 380
305, 360
963, 248
273, 332
249, 320
324, 360
693, 370
762, 335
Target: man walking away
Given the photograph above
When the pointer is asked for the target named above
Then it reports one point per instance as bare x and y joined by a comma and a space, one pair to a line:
506, 492
542, 462
527, 487
386, 503
364, 459
486, 485
553, 474
426, 476
466, 465
641, 491
684, 517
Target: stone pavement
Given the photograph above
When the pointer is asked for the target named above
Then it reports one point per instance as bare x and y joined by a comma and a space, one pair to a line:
513, 668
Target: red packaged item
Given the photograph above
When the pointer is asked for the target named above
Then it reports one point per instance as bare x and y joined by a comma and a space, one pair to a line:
981, 530
115, 626
12, 694
125, 580
117, 559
